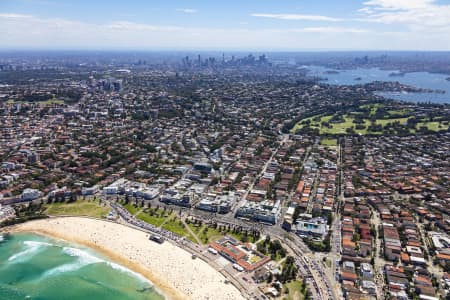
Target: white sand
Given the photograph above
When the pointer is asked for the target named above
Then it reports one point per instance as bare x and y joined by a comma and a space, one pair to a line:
170, 268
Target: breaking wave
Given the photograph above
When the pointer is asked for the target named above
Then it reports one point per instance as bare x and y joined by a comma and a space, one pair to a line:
128, 271
33, 247
85, 258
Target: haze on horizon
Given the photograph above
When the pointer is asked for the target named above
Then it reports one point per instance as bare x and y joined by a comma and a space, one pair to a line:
292, 25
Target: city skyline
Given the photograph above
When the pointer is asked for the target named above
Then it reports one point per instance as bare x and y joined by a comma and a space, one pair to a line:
199, 25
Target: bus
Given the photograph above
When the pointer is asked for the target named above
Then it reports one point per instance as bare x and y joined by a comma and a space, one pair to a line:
238, 267
212, 250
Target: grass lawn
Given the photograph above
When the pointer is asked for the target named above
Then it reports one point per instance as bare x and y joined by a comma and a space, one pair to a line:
335, 128
299, 125
47, 102
328, 142
78, 208
396, 115
295, 290
157, 219
254, 259
434, 126
340, 128
196, 228
131, 209
373, 107
51, 101
160, 217
238, 236
389, 121
277, 256
399, 112
174, 225
208, 235
191, 238
205, 234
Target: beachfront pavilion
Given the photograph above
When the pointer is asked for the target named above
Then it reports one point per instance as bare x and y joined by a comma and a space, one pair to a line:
240, 253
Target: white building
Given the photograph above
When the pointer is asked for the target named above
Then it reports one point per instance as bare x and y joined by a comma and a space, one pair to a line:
316, 227
87, 191
30, 194
369, 286
217, 203
266, 211
366, 271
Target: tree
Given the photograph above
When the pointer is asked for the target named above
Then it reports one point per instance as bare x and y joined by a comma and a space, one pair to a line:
244, 238
269, 278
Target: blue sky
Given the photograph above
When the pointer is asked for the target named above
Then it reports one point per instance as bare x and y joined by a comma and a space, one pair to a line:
290, 25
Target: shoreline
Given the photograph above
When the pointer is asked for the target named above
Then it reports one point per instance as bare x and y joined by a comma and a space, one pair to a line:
173, 277
160, 287
167, 293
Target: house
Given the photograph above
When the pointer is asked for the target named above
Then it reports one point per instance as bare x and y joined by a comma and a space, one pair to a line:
349, 276
366, 271
443, 257
369, 286
261, 275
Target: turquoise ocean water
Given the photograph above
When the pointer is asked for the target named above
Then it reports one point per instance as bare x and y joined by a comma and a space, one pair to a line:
37, 267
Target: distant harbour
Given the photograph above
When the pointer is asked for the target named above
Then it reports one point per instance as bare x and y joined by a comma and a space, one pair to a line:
397, 74
439, 83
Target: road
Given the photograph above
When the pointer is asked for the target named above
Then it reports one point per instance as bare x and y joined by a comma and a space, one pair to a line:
248, 291
379, 261
310, 267
263, 170
335, 252
306, 261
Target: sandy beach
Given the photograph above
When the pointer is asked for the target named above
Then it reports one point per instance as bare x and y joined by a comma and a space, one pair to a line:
170, 268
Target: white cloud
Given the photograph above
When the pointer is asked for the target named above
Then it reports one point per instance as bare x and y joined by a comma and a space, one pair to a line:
130, 26
329, 29
14, 16
296, 17
31, 32
400, 4
414, 13
187, 10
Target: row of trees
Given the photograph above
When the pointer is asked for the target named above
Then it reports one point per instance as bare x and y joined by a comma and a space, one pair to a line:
272, 248
289, 270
